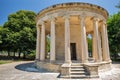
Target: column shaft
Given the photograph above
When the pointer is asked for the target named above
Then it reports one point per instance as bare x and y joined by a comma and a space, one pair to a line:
99, 43
38, 44
96, 41
52, 41
42, 53
108, 53
67, 41
84, 49
94, 54
104, 44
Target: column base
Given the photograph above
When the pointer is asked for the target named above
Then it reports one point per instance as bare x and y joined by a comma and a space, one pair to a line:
37, 60
68, 62
52, 61
85, 61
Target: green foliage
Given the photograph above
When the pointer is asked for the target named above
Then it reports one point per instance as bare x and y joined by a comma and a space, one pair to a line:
18, 34
118, 5
31, 55
89, 44
114, 33
48, 44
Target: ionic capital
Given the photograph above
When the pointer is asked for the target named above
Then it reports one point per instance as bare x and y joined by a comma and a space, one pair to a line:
52, 18
95, 19
82, 17
103, 22
66, 17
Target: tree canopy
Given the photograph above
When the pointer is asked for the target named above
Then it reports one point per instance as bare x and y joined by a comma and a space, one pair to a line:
18, 34
114, 32
118, 5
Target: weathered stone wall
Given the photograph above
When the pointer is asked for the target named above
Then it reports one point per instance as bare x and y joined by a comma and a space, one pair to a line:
60, 40
48, 66
104, 66
75, 38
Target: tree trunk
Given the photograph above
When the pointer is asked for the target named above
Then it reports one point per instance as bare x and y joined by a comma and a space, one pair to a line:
24, 56
14, 54
115, 56
19, 53
8, 52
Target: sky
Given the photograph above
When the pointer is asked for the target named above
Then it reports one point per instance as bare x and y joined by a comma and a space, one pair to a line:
11, 6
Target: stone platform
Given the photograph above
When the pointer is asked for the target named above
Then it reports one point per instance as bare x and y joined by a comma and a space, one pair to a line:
81, 70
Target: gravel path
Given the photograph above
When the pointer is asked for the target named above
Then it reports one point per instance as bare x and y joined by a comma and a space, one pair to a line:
26, 70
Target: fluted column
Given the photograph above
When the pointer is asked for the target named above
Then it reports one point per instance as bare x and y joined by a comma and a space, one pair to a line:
52, 40
38, 43
104, 44
67, 40
96, 39
100, 47
108, 53
94, 49
83, 40
42, 52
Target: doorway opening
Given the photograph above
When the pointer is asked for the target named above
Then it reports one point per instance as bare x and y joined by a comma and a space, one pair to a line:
73, 51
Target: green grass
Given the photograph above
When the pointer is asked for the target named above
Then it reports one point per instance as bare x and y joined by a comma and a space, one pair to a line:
5, 61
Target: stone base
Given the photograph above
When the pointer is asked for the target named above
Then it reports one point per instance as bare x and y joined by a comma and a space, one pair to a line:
92, 69
48, 66
104, 66
65, 70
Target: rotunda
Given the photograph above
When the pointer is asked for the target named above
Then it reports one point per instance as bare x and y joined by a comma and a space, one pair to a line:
68, 26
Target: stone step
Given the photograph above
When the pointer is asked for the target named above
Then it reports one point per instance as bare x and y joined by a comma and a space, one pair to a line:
78, 76
77, 69
77, 72
76, 66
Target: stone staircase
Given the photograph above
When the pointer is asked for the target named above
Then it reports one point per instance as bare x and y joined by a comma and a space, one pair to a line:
77, 71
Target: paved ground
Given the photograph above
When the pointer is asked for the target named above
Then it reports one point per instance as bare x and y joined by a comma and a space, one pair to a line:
27, 71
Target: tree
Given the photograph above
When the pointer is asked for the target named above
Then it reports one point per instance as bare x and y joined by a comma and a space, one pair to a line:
114, 33
5, 43
0, 35
118, 5
22, 36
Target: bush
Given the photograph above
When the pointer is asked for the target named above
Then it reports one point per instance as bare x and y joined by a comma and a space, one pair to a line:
31, 55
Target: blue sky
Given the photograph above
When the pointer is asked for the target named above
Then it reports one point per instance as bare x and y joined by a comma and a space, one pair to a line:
11, 6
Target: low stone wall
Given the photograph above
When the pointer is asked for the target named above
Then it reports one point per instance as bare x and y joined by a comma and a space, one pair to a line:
92, 70
65, 70
104, 66
48, 66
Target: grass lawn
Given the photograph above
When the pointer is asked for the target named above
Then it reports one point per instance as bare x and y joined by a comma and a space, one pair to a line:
5, 61
10, 59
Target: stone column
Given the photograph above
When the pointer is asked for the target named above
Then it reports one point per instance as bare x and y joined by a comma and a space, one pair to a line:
100, 48
42, 52
104, 44
96, 39
94, 54
52, 40
108, 53
67, 40
87, 43
84, 49
38, 43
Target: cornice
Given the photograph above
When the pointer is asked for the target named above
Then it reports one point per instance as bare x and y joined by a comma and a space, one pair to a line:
74, 5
